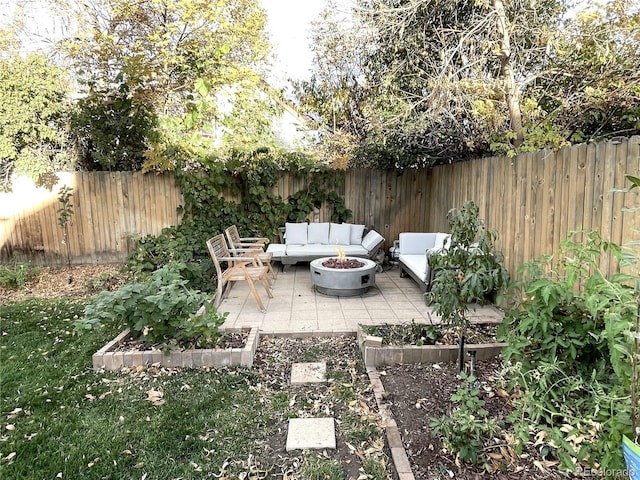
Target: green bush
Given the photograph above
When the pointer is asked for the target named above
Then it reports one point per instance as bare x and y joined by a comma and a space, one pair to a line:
159, 310
248, 176
17, 276
570, 342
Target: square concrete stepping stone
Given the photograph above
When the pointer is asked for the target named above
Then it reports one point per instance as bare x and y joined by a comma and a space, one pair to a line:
311, 433
304, 373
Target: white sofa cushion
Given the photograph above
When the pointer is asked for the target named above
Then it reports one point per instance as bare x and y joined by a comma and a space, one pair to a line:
324, 250
417, 264
339, 234
318, 233
440, 240
355, 237
295, 233
277, 249
371, 239
413, 243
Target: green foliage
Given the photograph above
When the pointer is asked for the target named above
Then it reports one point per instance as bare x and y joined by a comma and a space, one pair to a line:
465, 431
64, 216
159, 310
34, 136
420, 83
467, 269
258, 211
114, 129
16, 276
318, 468
156, 71
570, 347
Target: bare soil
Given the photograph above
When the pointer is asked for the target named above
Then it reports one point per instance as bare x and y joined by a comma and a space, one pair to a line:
419, 393
77, 281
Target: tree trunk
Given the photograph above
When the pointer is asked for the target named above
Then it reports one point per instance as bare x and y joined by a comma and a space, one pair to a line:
512, 92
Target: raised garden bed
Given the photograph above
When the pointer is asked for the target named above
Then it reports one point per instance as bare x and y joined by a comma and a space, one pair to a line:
376, 353
111, 357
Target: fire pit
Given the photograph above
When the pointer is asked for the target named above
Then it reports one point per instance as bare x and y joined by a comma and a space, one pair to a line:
343, 277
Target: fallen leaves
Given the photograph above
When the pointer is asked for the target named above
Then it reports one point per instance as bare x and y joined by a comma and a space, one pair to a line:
156, 397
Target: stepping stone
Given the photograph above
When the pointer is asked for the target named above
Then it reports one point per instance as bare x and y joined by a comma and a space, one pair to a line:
311, 433
304, 373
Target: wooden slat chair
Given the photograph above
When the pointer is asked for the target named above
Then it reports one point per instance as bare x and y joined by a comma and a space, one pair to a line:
244, 268
250, 244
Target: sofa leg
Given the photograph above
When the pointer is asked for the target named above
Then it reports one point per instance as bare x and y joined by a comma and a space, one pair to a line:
403, 274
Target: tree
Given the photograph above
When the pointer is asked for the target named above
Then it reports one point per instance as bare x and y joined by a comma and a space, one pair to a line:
441, 81
34, 135
114, 131
591, 89
169, 58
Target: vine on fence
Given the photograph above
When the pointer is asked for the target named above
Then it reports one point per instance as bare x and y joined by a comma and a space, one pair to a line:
258, 210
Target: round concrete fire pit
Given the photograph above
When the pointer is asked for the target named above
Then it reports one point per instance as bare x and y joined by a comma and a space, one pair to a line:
346, 282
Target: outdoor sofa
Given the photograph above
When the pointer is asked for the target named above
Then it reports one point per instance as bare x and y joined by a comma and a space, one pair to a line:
304, 242
413, 248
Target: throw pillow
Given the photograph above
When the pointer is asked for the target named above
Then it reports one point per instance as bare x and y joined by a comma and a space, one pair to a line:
356, 234
295, 233
318, 233
340, 234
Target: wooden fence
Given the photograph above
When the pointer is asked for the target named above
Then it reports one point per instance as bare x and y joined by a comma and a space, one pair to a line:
110, 210
533, 201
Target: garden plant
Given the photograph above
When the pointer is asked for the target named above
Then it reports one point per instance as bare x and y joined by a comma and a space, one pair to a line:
570, 333
467, 269
160, 309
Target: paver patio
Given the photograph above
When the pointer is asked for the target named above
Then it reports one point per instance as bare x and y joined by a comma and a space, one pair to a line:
297, 308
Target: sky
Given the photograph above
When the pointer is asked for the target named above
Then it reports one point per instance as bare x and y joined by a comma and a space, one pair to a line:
288, 25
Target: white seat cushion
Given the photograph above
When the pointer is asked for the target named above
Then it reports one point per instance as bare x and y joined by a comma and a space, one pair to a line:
355, 250
295, 233
356, 234
318, 233
340, 234
417, 264
277, 249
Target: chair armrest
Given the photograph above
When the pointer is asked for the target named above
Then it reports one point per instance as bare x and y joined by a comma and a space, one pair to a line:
246, 250
255, 239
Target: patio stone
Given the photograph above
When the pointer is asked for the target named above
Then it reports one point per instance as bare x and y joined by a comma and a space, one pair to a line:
305, 373
295, 307
311, 433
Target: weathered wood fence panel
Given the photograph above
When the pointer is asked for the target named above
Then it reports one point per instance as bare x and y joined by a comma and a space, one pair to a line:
110, 209
533, 201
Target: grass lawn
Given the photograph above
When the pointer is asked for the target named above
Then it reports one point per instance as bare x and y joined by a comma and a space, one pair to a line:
60, 419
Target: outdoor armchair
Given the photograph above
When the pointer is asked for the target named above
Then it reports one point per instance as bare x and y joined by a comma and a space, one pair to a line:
238, 268
253, 246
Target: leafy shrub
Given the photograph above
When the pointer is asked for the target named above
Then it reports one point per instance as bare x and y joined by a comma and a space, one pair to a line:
570, 342
468, 269
465, 431
18, 275
159, 310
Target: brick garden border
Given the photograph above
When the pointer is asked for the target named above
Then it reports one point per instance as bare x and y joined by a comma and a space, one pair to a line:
107, 359
375, 354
